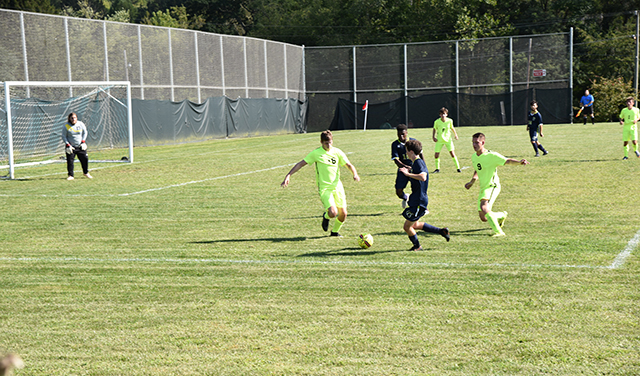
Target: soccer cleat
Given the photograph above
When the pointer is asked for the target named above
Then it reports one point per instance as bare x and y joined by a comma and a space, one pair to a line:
545, 152
501, 220
325, 223
88, 176
625, 158
458, 170
537, 154
336, 234
416, 248
69, 177
638, 154
436, 170
445, 233
498, 234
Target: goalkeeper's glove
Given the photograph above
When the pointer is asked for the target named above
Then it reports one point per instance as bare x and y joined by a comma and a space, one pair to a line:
69, 149
83, 146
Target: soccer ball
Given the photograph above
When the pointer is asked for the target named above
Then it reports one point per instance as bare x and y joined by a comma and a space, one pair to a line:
365, 240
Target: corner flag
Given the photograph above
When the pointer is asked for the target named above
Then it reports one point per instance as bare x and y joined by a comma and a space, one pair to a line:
365, 108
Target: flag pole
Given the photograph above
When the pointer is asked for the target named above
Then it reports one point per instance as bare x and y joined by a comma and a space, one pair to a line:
365, 108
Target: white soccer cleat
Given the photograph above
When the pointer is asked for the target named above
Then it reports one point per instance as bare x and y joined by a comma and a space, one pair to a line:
88, 176
69, 177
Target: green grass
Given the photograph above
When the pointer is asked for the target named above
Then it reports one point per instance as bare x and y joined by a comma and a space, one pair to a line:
194, 261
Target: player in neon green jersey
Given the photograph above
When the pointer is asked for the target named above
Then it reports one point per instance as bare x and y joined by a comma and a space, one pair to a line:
486, 164
442, 130
628, 119
328, 160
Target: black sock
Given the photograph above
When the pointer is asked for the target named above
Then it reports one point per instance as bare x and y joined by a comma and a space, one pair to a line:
415, 241
535, 147
541, 148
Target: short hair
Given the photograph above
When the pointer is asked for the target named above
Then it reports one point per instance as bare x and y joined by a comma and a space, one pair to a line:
533, 102
414, 146
401, 127
71, 114
479, 135
326, 136
630, 99
444, 110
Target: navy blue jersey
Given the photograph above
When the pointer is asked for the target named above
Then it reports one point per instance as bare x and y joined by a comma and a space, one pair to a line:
419, 188
399, 151
534, 122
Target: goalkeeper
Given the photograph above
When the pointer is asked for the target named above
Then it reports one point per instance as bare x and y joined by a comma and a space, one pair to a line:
74, 134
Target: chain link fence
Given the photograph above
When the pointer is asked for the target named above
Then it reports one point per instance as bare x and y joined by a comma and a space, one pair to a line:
476, 71
161, 63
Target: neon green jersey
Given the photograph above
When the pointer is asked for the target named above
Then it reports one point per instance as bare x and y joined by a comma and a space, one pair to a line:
629, 116
443, 129
486, 165
327, 166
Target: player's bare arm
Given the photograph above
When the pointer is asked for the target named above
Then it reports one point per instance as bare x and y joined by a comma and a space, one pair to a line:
421, 176
398, 163
435, 139
352, 168
472, 181
295, 169
515, 161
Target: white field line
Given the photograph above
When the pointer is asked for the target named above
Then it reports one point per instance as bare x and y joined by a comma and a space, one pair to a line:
203, 180
625, 253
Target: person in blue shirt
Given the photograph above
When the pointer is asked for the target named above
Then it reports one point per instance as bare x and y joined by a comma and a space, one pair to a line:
418, 201
586, 102
400, 158
534, 127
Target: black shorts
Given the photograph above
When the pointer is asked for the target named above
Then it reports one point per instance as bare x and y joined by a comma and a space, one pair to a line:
414, 213
587, 110
401, 180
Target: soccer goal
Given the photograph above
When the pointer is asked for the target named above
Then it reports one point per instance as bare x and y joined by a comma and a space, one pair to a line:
36, 111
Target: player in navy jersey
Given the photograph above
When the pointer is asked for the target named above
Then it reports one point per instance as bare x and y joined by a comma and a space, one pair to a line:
400, 158
534, 127
418, 174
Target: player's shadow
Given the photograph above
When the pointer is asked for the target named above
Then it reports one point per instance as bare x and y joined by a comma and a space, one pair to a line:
350, 215
349, 251
273, 240
427, 234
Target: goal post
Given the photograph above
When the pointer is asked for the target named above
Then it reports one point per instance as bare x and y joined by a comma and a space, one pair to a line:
36, 111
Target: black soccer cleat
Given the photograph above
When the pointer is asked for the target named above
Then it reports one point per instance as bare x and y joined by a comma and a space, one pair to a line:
336, 234
325, 223
436, 170
416, 248
445, 233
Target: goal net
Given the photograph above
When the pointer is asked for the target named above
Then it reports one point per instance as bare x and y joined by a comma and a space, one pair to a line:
34, 114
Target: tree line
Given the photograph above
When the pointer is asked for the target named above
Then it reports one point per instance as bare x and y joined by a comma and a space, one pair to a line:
604, 30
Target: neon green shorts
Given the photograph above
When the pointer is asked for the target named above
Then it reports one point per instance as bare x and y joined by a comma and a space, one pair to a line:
333, 197
448, 144
629, 133
489, 194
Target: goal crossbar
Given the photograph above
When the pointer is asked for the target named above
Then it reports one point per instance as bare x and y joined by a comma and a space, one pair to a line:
102, 86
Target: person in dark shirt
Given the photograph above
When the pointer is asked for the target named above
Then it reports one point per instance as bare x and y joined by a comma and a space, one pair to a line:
417, 204
534, 127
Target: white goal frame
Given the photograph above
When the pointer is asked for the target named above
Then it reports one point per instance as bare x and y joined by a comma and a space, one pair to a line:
70, 85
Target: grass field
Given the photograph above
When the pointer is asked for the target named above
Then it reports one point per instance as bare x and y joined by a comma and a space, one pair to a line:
194, 261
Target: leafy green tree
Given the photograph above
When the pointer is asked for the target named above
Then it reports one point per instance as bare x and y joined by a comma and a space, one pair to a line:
37, 6
610, 97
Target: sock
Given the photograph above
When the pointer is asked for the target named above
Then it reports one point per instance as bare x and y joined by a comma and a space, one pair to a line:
430, 228
535, 147
585, 121
542, 148
337, 225
326, 215
626, 150
592, 120
414, 240
635, 147
455, 159
493, 221
437, 163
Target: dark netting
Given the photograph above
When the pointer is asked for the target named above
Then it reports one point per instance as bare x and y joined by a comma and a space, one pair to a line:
464, 109
329, 69
379, 67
